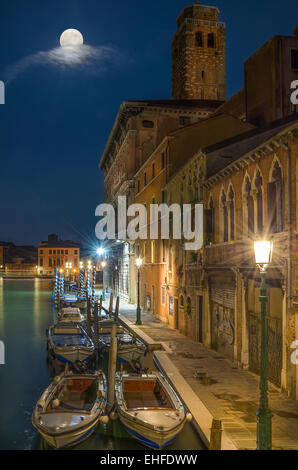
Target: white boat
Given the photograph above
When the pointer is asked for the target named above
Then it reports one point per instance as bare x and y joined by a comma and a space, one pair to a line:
72, 300
68, 343
149, 408
129, 350
70, 408
71, 315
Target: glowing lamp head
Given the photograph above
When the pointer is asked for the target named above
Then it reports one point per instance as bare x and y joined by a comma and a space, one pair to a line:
263, 252
61, 271
89, 264
139, 262
100, 251
103, 264
81, 265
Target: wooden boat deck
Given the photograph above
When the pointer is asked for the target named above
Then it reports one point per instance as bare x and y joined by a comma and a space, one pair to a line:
140, 394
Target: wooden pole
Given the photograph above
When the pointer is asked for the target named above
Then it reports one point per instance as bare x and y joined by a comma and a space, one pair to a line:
95, 326
111, 305
216, 433
117, 308
88, 317
100, 305
112, 365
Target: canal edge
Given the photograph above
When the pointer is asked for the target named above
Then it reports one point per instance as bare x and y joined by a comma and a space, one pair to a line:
202, 418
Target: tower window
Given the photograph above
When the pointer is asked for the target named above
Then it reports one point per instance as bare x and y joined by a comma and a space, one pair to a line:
148, 124
199, 39
211, 40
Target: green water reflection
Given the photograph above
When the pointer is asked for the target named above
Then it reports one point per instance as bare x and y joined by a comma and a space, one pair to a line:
25, 313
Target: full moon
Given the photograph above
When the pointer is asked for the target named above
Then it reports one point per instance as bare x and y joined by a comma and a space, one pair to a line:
71, 38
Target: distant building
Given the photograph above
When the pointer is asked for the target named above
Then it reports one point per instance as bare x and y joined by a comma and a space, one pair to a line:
55, 253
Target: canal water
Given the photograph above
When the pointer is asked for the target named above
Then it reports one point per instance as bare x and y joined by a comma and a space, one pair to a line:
25, 314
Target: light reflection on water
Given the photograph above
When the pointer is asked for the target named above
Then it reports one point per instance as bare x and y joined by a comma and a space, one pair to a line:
25, 313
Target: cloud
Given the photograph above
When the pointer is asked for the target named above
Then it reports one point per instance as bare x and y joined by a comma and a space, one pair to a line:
93, 59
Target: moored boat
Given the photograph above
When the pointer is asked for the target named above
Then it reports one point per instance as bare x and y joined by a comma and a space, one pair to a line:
68, 343
72, 300
70, 408
71, 315
149, 408
129, 349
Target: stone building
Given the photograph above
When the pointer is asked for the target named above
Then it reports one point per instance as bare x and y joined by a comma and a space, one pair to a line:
239, 159
55, 253
198, 55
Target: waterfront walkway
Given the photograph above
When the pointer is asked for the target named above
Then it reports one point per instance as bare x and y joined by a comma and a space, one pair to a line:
229, 393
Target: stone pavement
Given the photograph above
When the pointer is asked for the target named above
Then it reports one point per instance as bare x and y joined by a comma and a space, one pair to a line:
229, 393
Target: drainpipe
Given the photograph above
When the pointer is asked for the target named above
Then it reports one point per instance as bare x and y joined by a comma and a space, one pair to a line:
288, 151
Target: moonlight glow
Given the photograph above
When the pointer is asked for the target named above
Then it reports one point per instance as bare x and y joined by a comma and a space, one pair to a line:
71, 38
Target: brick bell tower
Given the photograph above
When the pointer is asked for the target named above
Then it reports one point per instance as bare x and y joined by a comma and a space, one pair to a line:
198, 55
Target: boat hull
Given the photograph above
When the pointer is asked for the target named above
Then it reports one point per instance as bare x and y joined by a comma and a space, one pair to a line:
70, 357
147, 437
69, 439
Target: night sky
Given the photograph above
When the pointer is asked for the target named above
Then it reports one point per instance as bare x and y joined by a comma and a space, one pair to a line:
56, 119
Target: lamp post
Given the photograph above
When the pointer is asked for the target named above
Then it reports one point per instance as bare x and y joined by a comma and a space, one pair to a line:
139, 263
263, 255
103, 265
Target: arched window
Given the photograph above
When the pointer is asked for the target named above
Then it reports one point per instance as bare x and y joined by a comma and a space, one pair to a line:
225, 217
232, 213
181, 301
259, 190
250, 207
274, 200
210, 227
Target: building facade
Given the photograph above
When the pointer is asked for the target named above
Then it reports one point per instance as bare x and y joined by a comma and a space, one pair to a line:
240, 162
55, 253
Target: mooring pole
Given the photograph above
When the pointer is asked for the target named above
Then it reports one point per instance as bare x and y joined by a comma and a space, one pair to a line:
111, 305
82, 275
117, 308
88, 317
56, 287
95, 326
215, 436
112, 365
93, 287
100, 306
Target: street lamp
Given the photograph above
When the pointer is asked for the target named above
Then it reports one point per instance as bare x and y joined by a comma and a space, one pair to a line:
100, 251
139, 263
103, 265
263, 255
